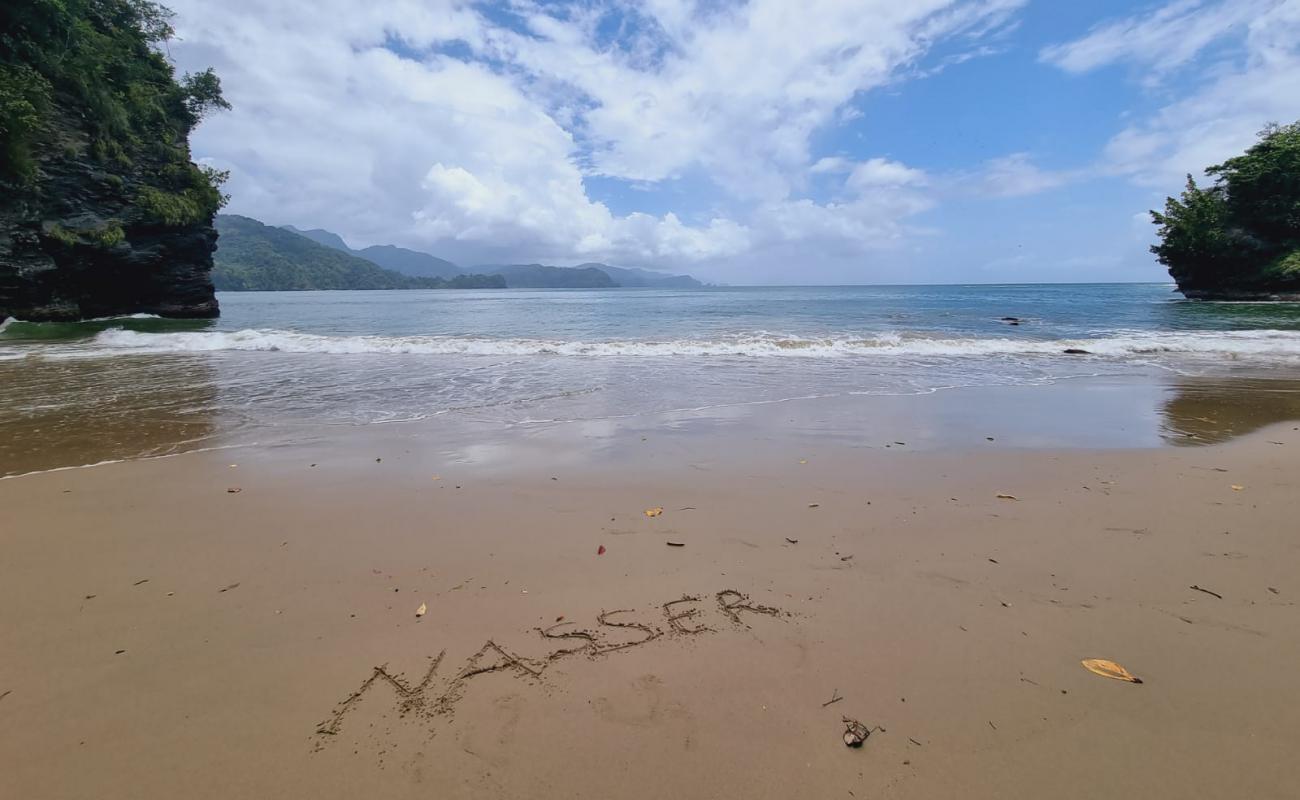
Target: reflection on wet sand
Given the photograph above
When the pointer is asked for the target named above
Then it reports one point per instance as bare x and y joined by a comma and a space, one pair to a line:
1202, 411
83, 411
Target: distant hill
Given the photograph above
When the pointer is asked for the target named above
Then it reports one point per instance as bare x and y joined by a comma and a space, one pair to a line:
518, 276
538, 276
398, 259
320, 236
409, 262
644, 278
255, 257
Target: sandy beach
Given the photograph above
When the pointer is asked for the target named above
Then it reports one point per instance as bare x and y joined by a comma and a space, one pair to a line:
243, 623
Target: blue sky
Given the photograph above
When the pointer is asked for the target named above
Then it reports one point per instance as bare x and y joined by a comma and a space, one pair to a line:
747, 142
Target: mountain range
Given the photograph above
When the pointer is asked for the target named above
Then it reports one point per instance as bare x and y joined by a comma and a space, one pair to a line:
518, 276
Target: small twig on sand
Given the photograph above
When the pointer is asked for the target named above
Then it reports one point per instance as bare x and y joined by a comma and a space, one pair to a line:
6, 693
1206, 591
991, 725
835, 698
915, 742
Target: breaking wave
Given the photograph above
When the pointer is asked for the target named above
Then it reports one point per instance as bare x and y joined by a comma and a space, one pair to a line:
1230, 344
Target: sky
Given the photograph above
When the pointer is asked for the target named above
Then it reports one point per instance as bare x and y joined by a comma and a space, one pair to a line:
760, 142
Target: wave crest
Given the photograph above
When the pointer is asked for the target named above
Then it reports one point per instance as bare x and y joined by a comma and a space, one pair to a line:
1269, 343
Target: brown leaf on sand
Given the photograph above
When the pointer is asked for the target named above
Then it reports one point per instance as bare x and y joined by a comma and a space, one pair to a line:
1109, 669
654, 512
422, 610
234, 490
1237, 488
676, 544
1007, 497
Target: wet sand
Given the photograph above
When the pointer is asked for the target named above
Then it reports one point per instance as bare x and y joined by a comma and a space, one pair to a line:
166, 637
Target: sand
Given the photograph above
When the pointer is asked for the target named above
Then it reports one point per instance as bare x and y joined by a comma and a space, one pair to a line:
163, 636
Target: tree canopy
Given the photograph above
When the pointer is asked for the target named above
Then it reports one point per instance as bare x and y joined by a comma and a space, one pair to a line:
93, 68
1242, 233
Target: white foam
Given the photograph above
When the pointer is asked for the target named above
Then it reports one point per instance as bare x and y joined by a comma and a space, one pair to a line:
1254, 343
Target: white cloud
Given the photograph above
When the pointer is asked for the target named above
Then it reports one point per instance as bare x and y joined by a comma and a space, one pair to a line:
1162, 40
1256, 81
1016, 175
429, 124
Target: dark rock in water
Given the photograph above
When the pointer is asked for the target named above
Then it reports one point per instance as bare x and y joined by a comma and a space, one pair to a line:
1074, 351
1011, 319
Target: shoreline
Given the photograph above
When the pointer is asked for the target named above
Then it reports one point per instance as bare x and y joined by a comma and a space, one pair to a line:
953, 619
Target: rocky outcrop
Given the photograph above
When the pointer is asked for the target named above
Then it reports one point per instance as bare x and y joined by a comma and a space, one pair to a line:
102, 211
79, 244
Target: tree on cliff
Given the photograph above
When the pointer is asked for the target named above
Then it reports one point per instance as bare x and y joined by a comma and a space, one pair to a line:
101, 208
1240, 235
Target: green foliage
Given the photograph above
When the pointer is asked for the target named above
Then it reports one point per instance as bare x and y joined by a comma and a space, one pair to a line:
1243, 232
24, 97
93, 64
256, 257
195, 199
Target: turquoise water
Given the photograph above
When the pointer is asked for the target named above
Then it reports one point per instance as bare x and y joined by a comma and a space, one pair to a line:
278, 360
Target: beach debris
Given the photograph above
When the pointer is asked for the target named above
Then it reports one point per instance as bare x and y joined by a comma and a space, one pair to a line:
849, 557
6, 693
93, 596
1007, 497
142, 580
1109, 669
991, 725
814, 505
1271, 589
791, 541
803, 461
915, 742
1010, 319
1194, 587
835, 698
228, 588
422, 610
675, 544
234, 490
171, 594
600, 551
654, 512
993, 561
118, 652
855, 733
1237, 487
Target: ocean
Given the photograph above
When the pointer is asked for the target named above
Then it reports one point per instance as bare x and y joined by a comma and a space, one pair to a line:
275, 363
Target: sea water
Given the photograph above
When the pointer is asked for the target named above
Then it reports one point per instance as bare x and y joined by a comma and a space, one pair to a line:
276, 360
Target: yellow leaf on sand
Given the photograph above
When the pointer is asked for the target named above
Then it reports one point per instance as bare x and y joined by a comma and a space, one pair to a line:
803, 461
654, 512
1007, 497
1237, 488
1109, 669
422, 610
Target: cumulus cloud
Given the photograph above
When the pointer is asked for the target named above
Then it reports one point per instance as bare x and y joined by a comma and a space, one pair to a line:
475, 132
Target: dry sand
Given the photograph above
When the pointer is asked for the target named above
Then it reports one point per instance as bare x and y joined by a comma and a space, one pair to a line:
163, 637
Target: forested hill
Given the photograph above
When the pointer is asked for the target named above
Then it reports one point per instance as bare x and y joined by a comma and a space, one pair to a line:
256, 257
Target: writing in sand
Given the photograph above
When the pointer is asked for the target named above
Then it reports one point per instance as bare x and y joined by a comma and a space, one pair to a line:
431, 698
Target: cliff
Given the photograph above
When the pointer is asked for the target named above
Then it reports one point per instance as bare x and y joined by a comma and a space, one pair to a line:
102, 211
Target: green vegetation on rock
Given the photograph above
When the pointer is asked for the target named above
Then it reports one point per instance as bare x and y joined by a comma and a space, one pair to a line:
1239, 237
256, 257
101, 209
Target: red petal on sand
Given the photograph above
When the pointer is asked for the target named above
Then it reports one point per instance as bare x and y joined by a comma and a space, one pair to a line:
601, 550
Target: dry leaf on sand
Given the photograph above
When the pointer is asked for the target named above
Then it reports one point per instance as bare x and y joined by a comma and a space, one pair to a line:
1109, 669
654, 512
422, 610
1007, 497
